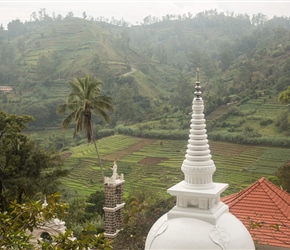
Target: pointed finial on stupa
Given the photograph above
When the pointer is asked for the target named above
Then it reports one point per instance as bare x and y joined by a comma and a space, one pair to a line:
198, 167
197, 85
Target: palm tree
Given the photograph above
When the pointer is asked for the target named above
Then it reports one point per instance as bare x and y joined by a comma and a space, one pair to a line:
83, 100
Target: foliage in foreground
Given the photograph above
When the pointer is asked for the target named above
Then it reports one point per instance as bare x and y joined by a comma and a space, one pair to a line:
17, 224
25, 168
142, 210
86, 211
283, 175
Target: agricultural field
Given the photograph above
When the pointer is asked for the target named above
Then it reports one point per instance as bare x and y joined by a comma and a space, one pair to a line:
155, 164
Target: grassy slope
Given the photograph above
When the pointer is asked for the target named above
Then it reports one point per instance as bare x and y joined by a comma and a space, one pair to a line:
76, 39
254, 111
74, 42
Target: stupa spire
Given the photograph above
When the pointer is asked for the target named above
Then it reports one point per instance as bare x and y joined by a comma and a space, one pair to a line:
199, 220
198, 167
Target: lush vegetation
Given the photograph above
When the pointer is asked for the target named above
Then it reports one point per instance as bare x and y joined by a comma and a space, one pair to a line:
25, 169
243, 60
146, 70
28, 172
17, 225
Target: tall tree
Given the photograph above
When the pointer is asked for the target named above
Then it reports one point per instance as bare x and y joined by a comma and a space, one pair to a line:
283, 174
10, 128
226, 57
182, 96
83, 100
25, 169
284, 96
16, 28
125, 111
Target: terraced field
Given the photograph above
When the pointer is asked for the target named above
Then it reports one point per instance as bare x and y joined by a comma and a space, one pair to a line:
253, 114
155, 164
270, 109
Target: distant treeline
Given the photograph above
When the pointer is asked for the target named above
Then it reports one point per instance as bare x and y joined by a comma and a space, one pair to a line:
243, 139
183, 135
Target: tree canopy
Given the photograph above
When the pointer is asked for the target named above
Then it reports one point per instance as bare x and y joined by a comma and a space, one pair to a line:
284, 96
283, 175
84, 100
16, 228
25, 168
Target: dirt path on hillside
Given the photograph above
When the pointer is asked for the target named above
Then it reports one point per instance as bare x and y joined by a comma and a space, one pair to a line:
118, 155
133, 70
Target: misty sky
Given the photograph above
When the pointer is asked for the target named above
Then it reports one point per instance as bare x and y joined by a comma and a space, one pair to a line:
136, 11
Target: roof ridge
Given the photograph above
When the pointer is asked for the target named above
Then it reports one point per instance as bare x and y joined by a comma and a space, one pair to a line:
236, 197
277, 191
254, 201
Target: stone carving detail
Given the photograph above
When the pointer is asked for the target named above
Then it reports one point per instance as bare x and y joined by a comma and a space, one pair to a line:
203, 203
182, 202
193, 203
220, 236
114, 168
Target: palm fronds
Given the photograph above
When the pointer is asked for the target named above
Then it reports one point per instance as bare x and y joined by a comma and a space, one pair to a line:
83, 99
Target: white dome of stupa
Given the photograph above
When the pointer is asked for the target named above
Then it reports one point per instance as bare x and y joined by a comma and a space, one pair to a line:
199, 220
191, 233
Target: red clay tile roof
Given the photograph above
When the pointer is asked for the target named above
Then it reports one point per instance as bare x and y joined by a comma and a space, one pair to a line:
265, 210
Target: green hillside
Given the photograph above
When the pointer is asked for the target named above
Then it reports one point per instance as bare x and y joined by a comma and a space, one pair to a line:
256, 122
74, 42
149, 70
72, 47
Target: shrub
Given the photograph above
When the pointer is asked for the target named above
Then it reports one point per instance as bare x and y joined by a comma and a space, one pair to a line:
277, 53
235, 111
105, 133
282, 122
283, 175
244, 100
154, 133
265, 122
240, 138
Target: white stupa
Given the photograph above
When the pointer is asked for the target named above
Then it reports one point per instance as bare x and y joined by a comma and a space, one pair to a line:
199, 220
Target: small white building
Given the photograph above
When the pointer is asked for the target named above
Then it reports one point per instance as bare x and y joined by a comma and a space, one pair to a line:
48, 229
6, 89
